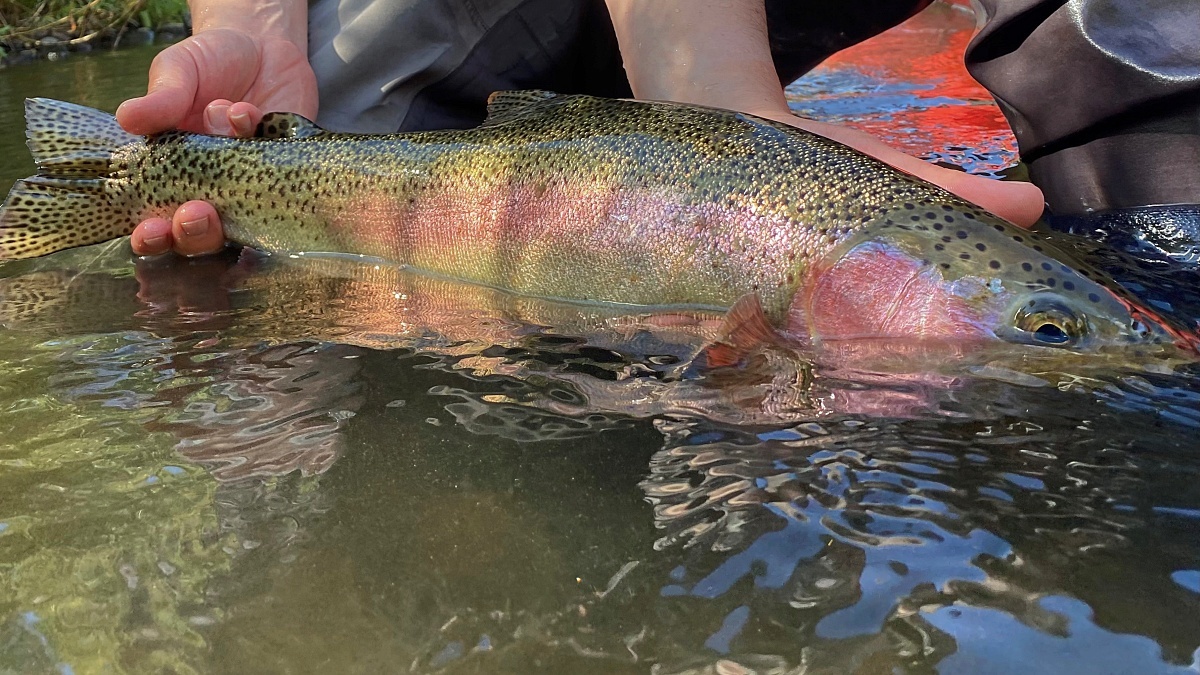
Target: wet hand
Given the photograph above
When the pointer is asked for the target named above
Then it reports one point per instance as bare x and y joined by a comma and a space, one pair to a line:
217, 82
195, 229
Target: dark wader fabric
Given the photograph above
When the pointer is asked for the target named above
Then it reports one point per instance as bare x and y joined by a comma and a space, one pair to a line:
409, 65
1104, 95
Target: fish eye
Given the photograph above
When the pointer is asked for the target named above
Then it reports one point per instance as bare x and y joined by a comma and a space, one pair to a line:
1051, 333
1052, 325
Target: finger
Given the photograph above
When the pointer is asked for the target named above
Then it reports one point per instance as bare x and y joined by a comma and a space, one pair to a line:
1015, 201
169, 98
151, 237
197, 230
216, 118
244, 118
185, 77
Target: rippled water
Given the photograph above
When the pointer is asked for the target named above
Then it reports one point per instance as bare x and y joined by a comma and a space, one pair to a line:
249, 465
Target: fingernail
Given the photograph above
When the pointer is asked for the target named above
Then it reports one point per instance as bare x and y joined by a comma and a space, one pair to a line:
217, 116
154, 243
240, 121
195, 228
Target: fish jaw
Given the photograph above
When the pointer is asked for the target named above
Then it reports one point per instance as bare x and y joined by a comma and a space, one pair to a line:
877, 290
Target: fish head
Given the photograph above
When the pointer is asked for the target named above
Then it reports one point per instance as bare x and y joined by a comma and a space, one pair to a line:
955, 273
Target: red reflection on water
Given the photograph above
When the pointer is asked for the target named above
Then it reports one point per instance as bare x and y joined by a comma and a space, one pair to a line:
909, 86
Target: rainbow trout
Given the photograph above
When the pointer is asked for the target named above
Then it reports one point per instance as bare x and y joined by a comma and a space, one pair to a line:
577, 198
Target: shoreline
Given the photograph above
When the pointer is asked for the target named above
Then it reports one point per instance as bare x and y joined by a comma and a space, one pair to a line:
53, 45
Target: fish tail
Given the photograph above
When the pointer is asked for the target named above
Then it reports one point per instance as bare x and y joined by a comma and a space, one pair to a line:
69, 202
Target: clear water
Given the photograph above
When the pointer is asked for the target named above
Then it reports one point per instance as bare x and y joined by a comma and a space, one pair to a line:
264, 466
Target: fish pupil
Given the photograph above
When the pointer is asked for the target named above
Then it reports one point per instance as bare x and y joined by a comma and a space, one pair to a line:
1051, 334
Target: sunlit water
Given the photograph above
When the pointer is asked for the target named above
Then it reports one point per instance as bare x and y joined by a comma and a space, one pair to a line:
241, 465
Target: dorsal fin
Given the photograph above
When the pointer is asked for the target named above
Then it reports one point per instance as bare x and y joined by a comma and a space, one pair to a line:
278, 125
504, 106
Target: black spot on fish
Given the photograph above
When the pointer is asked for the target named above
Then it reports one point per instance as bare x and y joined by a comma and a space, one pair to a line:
1018, 239
938, 226
930, 215
909, 206
961, 234
949, 219
1051, 282
1027, 267
944, 266
1068, 285
981, 247
964, 256
1093, 297
994, 264
1047, 266
939, 247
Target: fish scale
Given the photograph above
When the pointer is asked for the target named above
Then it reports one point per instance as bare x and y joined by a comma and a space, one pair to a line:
588, 199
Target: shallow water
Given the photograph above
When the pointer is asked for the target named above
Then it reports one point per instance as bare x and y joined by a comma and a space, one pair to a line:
243, 465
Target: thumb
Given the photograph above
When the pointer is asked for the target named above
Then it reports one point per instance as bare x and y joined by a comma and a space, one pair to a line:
170, 99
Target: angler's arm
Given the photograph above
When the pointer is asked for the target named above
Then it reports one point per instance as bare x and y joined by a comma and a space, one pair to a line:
244, 57
716, 53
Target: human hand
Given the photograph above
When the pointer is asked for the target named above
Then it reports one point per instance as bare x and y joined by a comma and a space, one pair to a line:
1017, 202
716, 53
220, 82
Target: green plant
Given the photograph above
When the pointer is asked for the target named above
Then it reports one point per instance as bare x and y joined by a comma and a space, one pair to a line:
83, 20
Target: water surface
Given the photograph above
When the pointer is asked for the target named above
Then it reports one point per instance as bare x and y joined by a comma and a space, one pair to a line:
246, 465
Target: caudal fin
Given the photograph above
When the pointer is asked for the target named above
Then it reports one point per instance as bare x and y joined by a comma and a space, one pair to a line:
67, 203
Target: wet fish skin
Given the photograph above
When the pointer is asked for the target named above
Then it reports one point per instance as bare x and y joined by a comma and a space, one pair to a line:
588, 199
702, 213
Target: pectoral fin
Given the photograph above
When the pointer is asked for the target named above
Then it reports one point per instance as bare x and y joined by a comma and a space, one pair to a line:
745, 330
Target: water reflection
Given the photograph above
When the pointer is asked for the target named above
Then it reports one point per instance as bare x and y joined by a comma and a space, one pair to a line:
482, 504
933, 537
910, 88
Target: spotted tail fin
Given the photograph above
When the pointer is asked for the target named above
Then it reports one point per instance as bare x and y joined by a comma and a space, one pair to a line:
68, 202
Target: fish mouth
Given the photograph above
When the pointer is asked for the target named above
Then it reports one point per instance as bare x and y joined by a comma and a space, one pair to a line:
1145, 321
